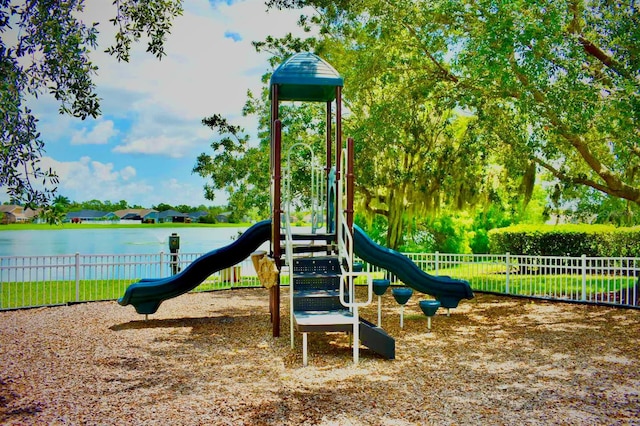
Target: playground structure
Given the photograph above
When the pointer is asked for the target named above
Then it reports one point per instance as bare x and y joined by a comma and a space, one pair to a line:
319, 260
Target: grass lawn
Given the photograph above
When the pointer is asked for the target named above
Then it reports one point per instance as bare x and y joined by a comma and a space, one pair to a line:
16, 295
19, 294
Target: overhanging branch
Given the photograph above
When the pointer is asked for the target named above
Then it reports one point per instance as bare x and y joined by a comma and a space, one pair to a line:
627, 192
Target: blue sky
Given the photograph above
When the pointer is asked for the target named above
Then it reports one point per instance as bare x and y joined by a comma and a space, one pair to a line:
144, 145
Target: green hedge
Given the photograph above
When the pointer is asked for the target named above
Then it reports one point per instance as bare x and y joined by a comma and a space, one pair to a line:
566, 240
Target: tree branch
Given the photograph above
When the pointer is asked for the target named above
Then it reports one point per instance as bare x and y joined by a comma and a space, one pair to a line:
614, 185
627, 193
575, 27
445, 72
369, 197
594, 51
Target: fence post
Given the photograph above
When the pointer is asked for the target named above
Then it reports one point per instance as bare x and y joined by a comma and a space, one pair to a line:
77, 277
437, 263
584, 277
1, 275
161, 264
506, 274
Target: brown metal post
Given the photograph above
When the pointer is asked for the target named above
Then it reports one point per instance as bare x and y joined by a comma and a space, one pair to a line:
327, 170
350, 184
275, 159
338, 130
329, 138
276, 176
275, 224
338, 203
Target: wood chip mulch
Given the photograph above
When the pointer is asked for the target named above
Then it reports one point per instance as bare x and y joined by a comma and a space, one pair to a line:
210, 359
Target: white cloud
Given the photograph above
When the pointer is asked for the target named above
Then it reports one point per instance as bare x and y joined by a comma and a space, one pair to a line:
173, 147
104, 172
128, 173
87, 179
99, 135
204, 72
154, 108
178, 192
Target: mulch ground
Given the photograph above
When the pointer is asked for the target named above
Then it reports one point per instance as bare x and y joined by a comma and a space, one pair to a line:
209, 358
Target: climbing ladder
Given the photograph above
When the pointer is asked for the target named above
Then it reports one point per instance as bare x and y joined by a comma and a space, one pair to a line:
322, 291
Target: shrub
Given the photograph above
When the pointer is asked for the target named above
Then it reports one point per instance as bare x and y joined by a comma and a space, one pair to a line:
566, 240
210, 218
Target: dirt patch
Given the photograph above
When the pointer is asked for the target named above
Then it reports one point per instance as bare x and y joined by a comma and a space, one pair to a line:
209, 358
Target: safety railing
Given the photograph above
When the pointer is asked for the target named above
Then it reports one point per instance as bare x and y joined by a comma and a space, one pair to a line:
30, 281
317, 184
598, 280
289, 265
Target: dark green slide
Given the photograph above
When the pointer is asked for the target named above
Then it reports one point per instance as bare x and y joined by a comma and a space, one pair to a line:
447, 290
147, 294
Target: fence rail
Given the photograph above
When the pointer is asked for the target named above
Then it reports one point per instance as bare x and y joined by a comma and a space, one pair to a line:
608, 280
31, 281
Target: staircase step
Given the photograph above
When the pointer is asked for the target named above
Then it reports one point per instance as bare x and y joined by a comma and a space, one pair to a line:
311, 281
318, 264
317, 300
306, 248
311, 237
321, 321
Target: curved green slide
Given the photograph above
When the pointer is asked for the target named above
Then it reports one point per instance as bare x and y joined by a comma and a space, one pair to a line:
147, 294
447, 290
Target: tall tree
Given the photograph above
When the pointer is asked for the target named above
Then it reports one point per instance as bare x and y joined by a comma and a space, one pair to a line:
557, 81
63, 201
240, 166
235, 167
45, 47
415, 152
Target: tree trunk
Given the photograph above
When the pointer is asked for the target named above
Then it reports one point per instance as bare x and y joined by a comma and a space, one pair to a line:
395, 218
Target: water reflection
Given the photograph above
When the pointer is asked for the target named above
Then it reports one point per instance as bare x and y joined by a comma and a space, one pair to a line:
112, 240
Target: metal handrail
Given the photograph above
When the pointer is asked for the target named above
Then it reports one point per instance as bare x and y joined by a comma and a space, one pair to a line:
345, 251
347, 247
289, 257
317, 183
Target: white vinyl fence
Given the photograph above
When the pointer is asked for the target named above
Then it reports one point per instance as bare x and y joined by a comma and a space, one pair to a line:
598, 280
30, 281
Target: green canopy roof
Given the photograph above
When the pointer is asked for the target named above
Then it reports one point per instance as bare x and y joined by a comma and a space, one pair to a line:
306, 77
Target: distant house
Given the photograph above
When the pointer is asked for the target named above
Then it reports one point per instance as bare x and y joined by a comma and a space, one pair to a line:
12, 213
195, 216
85, 216
172, 216
142, 215
223, 217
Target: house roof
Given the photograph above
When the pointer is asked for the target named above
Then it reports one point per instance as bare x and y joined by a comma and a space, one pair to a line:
10, 208
138, 212
18, 212
306, 77
131, 216
196, 215
171, 213
86, 214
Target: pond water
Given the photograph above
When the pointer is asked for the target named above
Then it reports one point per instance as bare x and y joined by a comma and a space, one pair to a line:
113, 240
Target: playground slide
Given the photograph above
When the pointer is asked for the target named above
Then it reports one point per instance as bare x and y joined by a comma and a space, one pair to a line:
147, 294
447, 290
